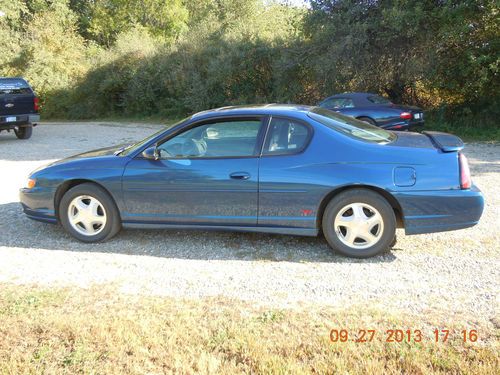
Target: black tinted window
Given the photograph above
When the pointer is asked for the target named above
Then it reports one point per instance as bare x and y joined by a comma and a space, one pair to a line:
350, 126
221, 139
285, 137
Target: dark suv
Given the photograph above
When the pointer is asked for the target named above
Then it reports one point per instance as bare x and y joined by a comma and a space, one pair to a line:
18, 107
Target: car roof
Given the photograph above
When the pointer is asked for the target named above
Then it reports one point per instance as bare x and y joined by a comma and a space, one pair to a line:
249, 110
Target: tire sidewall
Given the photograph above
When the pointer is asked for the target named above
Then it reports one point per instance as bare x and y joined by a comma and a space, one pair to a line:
359, 196
24, 132
112, 225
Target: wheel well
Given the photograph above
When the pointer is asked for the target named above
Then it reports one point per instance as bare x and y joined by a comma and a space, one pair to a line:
66, 185
368, 117
398, 212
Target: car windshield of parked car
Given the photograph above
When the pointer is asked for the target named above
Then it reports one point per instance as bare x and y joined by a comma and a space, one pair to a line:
376, 99
350, 126
134, 146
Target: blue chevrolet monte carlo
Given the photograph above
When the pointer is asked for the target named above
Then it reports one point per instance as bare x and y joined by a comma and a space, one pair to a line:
272, 168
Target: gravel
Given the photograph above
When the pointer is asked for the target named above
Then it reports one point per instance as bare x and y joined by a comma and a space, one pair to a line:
453, 273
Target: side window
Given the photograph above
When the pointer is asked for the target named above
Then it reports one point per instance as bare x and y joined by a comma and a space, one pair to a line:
285, 137
338, 103
220, 139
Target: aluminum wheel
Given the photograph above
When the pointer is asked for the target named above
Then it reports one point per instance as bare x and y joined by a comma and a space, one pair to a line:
87, 215
359, 225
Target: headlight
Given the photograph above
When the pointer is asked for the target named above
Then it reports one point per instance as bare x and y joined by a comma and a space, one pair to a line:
30, 183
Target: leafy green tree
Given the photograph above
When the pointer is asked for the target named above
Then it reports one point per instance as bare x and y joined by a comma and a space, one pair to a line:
103, 20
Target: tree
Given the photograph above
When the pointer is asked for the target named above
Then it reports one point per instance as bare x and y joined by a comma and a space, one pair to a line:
103, 20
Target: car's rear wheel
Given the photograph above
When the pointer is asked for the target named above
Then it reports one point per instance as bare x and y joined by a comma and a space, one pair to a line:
368, 120
359, 223
89, 214
24, 132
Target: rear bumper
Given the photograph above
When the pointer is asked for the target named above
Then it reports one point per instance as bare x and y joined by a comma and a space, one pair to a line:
440, 211
20, 120
406, 125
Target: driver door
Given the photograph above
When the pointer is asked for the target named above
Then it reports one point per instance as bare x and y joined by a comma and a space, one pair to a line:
206, 175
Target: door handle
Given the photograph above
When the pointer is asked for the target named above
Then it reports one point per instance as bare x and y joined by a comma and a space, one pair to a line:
240, 175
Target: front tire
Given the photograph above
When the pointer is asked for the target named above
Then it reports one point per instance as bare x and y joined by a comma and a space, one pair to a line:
24, 132
89, 214
359, 223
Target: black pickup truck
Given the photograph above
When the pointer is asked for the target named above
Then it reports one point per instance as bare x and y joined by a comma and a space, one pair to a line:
18, 107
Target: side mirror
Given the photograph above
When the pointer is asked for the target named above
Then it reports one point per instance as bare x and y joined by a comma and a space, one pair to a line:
151, 153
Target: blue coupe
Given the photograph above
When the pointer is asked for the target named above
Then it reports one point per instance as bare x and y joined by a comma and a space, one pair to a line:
273, 168
376, 110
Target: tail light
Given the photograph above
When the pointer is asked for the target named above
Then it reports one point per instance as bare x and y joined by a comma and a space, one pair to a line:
36, 104
465, 179
406, 115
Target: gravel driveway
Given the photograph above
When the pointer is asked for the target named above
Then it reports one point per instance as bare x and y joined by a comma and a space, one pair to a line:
455, 272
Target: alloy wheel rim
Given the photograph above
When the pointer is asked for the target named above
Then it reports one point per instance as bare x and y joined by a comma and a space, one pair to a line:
359, 225
87, 215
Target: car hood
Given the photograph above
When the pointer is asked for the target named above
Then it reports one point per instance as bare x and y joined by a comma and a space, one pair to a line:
101, 152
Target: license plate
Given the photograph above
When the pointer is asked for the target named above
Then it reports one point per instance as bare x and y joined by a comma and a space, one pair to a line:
11, 119
417, 116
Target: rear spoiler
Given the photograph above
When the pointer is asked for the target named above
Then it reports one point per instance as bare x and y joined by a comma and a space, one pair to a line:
444, 141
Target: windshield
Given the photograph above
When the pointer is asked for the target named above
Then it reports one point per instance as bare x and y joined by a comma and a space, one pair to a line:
350, 126
127, 150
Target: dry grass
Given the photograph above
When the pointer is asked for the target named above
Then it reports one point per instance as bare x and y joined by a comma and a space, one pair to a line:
104, 332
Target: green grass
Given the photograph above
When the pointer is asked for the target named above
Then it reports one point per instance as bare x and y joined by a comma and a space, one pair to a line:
104, 332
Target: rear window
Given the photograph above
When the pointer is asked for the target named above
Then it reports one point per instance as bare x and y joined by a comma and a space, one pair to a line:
351, 127
376, 99
14, 86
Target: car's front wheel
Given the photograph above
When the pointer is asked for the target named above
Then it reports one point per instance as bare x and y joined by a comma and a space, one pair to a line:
359, 223
89, 214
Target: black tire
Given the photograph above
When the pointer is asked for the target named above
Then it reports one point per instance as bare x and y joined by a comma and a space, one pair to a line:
385, 232
24, 132
394, 242
367, 120
113, 222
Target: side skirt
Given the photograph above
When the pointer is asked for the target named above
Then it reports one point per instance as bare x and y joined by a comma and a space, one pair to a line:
276, 230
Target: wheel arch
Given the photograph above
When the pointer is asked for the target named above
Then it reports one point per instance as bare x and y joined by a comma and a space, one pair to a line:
69, 184
398, 211
367, 117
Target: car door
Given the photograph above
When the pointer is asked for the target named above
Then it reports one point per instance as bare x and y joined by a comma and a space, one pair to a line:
286, 181
206, 175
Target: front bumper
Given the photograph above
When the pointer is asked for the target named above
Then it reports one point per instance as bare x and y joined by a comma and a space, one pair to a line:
38, 204
440, 211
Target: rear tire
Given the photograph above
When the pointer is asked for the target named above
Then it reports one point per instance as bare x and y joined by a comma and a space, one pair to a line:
24, 132
367, 120
359, 223
89, 214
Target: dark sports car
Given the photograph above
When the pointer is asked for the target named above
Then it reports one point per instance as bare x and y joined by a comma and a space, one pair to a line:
276, 169
376, 110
